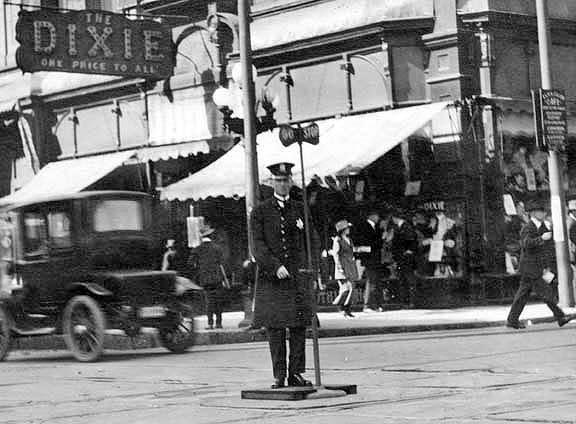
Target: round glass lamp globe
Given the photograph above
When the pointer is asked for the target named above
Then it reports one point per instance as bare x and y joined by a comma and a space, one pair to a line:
222, 97
237, 73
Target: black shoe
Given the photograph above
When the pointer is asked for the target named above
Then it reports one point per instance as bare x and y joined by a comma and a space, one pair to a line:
278, 383
563, 321
218, 325
210, 327
349, 314
515, 325
297, 380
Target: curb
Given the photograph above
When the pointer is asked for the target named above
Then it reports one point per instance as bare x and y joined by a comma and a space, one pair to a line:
149, 339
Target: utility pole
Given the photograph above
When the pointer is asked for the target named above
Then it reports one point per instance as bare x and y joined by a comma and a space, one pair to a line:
249, 101
250, 151
557, 198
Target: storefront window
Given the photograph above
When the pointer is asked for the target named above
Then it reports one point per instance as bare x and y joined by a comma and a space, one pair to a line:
440, 228
319, 89
96, 129
369, 87
133, 131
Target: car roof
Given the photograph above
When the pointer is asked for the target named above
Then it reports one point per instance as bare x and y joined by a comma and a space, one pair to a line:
73, 196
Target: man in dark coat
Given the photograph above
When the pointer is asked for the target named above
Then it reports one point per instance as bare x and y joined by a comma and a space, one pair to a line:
368, 240
536, 241
206, 267
404, 247
284, 292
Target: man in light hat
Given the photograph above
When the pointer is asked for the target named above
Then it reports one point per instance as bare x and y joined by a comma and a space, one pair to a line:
284, 293
537, 271
169, 257
206, 264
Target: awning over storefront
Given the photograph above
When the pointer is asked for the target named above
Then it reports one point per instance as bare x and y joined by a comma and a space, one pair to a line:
332, 17
516, 116
68, 176
346, 145
172, 151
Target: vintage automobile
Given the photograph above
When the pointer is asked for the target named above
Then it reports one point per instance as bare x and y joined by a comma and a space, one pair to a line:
79, 265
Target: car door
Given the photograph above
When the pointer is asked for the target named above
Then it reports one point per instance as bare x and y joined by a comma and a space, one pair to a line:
49, 256
34, 264
62, 252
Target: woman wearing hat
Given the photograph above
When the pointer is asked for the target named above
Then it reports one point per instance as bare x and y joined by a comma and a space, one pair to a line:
345, 271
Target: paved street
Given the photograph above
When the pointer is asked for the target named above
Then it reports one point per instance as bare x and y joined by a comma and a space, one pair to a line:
490, 375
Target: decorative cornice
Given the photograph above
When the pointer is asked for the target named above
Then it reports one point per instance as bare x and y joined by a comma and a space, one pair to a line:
445, 78
438, 40
505, 21
421, 25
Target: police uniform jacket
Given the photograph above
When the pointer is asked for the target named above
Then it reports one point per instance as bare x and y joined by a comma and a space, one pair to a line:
279, 239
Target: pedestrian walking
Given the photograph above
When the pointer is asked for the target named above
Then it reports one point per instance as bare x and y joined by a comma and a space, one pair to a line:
367, 237
404, 248
206, 266
345, 272
284, 293
537, 269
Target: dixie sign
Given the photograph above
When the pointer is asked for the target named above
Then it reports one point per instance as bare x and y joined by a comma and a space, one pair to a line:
93, 42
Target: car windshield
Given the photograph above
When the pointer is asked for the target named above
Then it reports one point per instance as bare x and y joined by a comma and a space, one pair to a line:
118, 215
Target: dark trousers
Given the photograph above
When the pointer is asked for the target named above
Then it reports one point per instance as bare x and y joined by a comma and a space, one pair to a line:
214, 306
407, 280
297, 358
543, 291
372, 290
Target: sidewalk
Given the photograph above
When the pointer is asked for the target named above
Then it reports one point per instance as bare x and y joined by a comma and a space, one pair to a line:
334, 324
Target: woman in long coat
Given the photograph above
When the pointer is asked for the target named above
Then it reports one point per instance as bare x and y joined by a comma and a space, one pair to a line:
345, 272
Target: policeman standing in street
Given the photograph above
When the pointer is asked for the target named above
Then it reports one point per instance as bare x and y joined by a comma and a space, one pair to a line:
284, 292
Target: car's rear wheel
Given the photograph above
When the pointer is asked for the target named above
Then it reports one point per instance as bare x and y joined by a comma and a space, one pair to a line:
5, 332
84, 327
178, 334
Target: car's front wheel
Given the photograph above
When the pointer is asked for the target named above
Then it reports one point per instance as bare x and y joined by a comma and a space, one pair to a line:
177, 335
5, 332
84, 327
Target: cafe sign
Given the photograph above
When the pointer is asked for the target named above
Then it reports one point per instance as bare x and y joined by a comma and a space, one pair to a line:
550, 119
93, 42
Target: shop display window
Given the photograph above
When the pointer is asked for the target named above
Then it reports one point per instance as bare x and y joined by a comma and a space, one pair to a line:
440, 228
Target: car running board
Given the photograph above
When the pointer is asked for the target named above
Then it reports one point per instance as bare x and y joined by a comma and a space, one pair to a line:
43, 331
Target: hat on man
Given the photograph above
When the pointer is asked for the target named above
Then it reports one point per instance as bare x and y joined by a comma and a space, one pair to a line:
206, 230
571, 205
281, 169
342, 225
170, 243
535, 205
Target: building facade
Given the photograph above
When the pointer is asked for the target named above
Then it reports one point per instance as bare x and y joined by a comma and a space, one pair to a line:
422, 103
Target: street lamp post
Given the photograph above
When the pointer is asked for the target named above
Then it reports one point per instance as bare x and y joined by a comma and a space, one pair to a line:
246, 123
